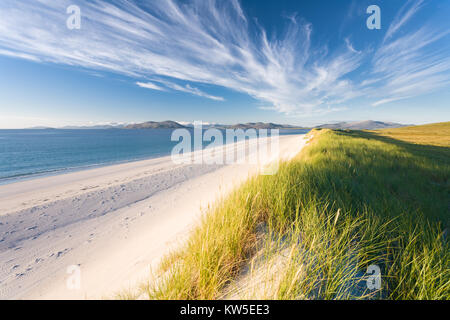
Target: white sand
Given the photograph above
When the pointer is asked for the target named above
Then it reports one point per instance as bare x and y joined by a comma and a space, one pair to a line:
114, 222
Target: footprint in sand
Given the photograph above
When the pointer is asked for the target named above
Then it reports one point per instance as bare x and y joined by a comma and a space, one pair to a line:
60, 253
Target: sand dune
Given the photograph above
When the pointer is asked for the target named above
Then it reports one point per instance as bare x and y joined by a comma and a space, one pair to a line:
115, 223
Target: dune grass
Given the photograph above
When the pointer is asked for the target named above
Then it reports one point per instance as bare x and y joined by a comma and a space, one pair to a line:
351, 199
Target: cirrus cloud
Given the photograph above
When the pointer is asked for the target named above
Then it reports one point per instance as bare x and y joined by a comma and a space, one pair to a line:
201, 42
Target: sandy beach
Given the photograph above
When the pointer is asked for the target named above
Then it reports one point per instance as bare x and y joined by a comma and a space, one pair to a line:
114, 222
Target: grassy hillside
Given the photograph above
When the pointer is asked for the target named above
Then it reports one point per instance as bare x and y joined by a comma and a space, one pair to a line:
437, 134
350, 199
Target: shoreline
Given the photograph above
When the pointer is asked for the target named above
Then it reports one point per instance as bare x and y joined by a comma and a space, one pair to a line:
89, 166
61, 171
115, 222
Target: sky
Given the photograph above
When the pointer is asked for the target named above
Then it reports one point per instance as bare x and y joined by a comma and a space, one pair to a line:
292, 62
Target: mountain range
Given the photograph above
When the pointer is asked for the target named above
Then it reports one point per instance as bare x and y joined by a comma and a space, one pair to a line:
353, 125
362, 125
155, 125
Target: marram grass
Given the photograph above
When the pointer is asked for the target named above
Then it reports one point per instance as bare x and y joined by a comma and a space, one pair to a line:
350, 199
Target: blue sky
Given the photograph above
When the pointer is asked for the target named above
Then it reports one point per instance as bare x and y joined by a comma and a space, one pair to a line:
296, 62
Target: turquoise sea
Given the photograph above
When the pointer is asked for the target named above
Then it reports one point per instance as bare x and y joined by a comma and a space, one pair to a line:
30, 153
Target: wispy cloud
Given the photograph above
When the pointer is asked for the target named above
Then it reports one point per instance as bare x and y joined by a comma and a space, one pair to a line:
405, 66
383, 101
195, 91
187, 88
18, 55
201, 42
150, 85
405, 13
350, 46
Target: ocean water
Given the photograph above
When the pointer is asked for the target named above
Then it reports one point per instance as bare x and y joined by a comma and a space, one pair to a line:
26, 154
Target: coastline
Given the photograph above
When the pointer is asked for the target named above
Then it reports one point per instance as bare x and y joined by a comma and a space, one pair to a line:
87, 164
115, 222
67, 170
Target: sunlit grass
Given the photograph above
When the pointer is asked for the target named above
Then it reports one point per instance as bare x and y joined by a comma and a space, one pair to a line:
351, 199
437, 134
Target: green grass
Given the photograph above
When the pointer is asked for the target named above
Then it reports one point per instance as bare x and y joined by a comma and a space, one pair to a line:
437, 134
349, 200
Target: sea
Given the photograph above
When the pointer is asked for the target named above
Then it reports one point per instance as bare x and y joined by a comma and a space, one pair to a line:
32, 153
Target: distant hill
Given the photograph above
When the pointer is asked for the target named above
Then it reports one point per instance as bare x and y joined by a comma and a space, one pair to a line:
362, 125
39, 128
257, 125
169, 124
155, 125
106, 126
248, 125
